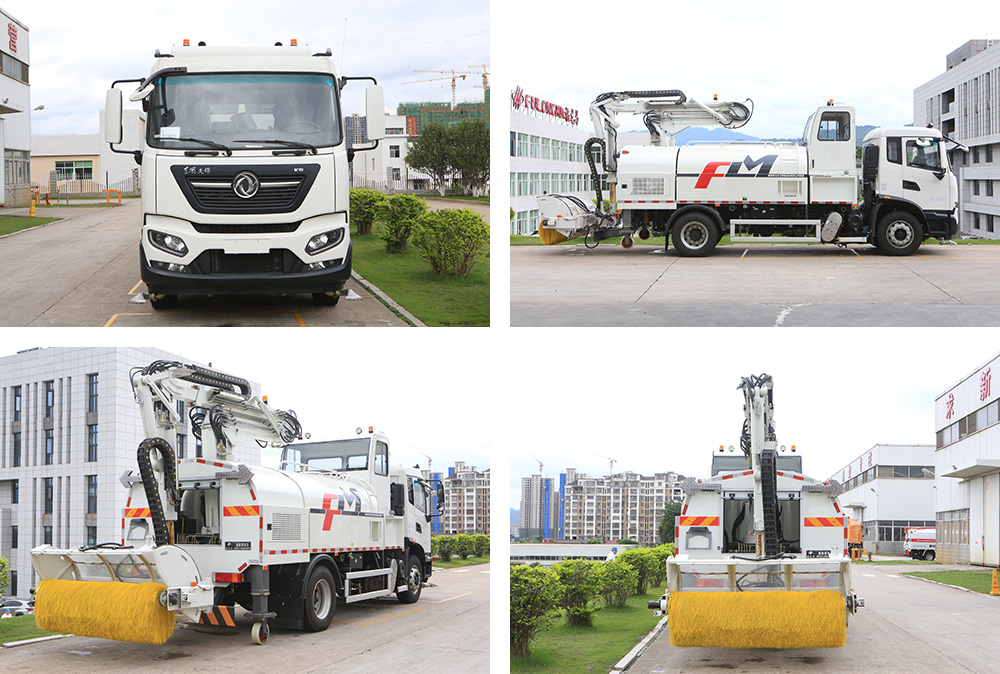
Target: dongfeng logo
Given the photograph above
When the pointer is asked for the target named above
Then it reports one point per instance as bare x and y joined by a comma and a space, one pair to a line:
245, 185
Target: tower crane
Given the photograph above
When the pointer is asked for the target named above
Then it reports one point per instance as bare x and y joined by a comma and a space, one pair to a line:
486, 74
540, 465
612, 462
454, 76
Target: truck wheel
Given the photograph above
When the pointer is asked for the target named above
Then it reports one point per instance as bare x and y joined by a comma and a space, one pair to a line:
325, 300
929, 556
694, 235
414, 582
899, 233
163, 301
320, 599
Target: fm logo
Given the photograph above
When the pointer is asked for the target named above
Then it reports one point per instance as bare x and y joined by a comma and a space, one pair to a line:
346, 500
733, 169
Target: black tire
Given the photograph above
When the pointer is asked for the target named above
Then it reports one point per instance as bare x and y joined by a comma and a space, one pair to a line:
325, 300
414, 582
320, 600
899, 233
163, 301
928, 556
694, 235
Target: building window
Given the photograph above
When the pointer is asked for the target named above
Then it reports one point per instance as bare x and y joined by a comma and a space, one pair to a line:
989, 188
533, 147
13, 583
17, 450
197, 447
545, 183
513, 144
92, 392
74, 170
14, 491
394, 151
522, 184
975, 187
989, 223
47, 535
17, 403
50, 446
989, 154
545, 148
91, 535
395, 174
181, 441
47, 489
92, 442
91, 494
975, 220
533, 184
14, 68
50, 398
975, 155
522, 145
13, 536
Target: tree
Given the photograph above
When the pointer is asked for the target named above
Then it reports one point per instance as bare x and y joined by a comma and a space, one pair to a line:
470, 147
579, 582
643, 561
665, 530
618, 581
481, 543
364, 207
4, 576
464, 545
451, 239
431, 153
442, 546
532, 601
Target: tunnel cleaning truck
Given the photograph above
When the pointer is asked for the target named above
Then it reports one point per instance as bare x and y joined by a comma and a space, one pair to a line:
244, 171
337, 523
761, 549
757, 192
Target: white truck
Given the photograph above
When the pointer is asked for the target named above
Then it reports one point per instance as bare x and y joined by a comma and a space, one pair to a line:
244, 171
336, 523
919, 543
758, 192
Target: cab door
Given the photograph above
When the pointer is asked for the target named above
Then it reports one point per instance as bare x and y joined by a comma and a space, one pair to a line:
833, 176
924, 177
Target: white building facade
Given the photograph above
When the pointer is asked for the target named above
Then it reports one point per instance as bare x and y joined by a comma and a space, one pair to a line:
546, 157
15, 113
889, 489
70, 429
964, 103
385, 168
467, 500
967, 464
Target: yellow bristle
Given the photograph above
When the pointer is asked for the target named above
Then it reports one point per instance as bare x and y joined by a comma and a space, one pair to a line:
119, 611
550, 236
779, 619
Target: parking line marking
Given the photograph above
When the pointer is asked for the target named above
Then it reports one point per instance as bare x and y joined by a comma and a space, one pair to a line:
134, 288
115, 317
343, 622
455, 597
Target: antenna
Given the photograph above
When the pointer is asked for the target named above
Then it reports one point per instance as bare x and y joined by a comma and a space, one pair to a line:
540, 464
612, 462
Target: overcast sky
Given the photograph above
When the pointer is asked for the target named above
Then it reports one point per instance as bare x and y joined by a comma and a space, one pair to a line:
789, 56
335, 380
78, 49
664, 400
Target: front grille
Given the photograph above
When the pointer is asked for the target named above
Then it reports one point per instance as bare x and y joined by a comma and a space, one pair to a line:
218, 195
247, 229
209, 188
249, 263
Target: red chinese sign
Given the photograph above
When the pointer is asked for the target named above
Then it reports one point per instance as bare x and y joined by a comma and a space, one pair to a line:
12, 32
984, 384
519, 99
951, 406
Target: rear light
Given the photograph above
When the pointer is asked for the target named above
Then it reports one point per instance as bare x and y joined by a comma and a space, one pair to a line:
228, 577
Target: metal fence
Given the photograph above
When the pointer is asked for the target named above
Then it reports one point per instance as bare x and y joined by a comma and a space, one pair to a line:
85, 189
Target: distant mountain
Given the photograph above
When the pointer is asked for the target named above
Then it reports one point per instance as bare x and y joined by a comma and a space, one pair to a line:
515, 517
716, 135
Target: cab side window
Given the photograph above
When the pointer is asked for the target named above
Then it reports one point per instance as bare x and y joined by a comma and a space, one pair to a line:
894, 150
381, 458
923, 154
835, 126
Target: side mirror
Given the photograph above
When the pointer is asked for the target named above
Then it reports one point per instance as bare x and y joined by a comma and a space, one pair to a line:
375, 112
440, 499
397, 498
113, 116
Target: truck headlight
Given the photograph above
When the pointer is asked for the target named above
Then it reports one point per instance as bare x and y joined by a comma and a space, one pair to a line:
325, 241
169, 243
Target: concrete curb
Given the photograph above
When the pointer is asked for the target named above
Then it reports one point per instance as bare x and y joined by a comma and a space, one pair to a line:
627, 661
957, 587
388, 301
28, 642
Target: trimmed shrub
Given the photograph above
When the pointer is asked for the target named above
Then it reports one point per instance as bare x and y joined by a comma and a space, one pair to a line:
662, 553
481, 544
364, 208
618, 582
643, 561
395, 217
451, 239
532, 602
442, 546
464, 545
579, 583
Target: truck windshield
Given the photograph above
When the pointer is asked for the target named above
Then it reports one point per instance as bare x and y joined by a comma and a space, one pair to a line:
237, 109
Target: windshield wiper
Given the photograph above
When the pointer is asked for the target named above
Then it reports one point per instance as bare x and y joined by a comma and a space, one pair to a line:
287, 143
207, 143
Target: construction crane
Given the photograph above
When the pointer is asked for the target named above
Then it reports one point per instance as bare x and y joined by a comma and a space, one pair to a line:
428, 464
612, 462
486, 74
454, 76
540, 465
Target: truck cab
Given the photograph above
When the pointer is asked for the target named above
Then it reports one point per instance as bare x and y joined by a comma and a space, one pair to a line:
244, 172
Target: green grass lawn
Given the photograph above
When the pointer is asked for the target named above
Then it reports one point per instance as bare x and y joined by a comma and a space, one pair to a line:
895, 561
20, 628
456, 197
436, 300
456, 562
15, 223
564, 650
978, 581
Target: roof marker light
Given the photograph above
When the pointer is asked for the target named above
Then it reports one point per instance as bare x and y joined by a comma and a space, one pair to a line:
187, 42
295, 43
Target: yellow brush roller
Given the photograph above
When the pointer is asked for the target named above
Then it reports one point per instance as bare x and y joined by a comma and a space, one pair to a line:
550, 236
778, 619
119, 611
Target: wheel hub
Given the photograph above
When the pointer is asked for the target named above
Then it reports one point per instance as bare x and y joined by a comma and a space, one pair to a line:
899, 233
